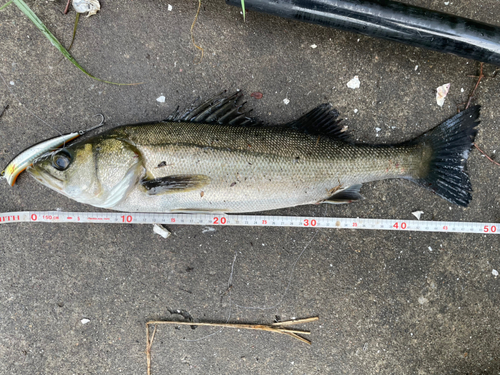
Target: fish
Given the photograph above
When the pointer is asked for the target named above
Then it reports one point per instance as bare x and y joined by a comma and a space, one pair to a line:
215, 158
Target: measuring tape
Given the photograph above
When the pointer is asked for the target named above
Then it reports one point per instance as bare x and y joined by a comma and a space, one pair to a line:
249, 220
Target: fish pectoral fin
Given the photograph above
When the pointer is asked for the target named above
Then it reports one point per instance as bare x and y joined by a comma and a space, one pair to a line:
347, 195
175, 184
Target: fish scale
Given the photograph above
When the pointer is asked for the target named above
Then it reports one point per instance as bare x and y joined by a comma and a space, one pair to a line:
255, 168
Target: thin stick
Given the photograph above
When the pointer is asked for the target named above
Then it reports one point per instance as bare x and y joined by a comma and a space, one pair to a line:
484, 153
192, 35
296, 321
4, 109
67, 7
275, 327
149, 344
481, 76
259, 327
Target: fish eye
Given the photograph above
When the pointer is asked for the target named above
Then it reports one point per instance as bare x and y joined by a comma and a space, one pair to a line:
61, 160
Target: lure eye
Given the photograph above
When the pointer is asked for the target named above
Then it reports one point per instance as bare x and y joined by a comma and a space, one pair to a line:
61, 160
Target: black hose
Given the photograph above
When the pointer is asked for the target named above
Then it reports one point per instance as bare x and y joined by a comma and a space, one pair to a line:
393, 21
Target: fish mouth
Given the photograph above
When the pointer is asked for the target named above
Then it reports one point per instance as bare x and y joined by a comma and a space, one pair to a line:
46, 178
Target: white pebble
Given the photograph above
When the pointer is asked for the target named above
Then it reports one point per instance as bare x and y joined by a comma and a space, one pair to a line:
416, 67
314, 46
422, 300
494, 273
160, 99
355, 111
354, 83
462, 89
377, 129
169, 8
158, 229
85, 321
286, 101
11, 83
417, 214
430, 248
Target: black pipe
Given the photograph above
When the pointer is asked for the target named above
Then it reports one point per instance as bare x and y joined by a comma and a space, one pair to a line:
393, 21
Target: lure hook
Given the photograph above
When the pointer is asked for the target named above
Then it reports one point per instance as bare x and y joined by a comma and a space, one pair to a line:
103, 119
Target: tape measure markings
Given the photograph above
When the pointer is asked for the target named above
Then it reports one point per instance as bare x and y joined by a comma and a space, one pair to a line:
250, 220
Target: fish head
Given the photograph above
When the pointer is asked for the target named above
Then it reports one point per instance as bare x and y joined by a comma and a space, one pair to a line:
100, 172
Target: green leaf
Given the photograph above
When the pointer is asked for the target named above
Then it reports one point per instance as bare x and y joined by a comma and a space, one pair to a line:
38, 23
243, 8
5, 5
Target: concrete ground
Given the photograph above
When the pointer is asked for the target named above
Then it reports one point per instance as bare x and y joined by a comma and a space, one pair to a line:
387, 303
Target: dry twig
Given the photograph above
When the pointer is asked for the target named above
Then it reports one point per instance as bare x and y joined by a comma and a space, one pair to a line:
279, 327
484, 153
192, 35
66, 10
479, 78
471, 95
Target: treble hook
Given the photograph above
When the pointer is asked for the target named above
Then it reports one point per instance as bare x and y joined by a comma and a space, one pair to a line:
82, 132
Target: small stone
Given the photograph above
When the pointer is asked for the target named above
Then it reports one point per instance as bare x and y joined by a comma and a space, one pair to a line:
160, 99
159, 229
422, 300
354, 83
417, 214
85, 321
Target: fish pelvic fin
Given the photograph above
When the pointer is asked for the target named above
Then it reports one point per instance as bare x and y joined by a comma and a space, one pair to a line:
346, 195
449, 145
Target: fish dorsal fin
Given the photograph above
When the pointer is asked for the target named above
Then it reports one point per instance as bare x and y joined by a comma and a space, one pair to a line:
216, 110
227, 110
322, 120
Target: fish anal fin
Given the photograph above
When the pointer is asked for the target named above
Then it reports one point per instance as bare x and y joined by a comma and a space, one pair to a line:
347, 195
322, 120
174, 184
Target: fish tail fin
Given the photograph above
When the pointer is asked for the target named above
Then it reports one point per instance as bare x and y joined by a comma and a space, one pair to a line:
450, 144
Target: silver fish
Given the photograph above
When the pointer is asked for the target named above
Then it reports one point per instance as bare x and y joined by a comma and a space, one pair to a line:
213, 158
